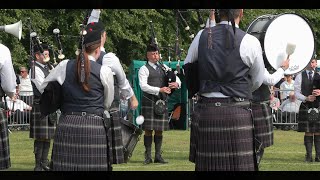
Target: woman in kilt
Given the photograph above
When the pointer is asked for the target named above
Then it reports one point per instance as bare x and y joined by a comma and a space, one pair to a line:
7, 88
81, 138
307, 89
230, 66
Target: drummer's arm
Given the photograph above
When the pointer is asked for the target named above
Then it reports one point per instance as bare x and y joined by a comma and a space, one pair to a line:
272, 79
251, 55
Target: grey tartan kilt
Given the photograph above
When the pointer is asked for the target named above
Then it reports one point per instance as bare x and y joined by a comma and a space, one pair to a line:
151, 120
263, 125
40, 128
221, 138
5, 161
303, 124
80, 144
115, 138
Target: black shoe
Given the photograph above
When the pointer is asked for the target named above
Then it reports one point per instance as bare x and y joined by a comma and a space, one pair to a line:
317, 159
160, 160
147, 161
45, 166
308, 159
38, 168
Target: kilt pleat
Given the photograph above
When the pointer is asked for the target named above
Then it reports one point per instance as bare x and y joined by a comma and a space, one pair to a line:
153, 121
80, 144
303, 124
115, 139
40, 128
263, 125
221, 138
5, 161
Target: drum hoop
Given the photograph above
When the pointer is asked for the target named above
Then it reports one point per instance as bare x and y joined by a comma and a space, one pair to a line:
128, 123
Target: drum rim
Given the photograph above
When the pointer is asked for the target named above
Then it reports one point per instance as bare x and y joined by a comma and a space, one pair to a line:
128, 123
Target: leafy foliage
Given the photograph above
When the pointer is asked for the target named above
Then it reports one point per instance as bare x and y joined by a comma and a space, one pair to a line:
128, 30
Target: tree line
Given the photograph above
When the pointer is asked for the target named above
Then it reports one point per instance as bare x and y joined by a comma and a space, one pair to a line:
128, 30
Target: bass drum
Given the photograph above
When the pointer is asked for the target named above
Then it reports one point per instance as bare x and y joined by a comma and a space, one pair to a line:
274, 33
130, 137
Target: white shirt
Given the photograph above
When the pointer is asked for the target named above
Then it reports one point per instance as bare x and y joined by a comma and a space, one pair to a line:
287, 87
143, 79
25, 86
7, 74
18, 104
297, 87
272, 79
289, 106
39, 75
111, 60
106, 76
251, 55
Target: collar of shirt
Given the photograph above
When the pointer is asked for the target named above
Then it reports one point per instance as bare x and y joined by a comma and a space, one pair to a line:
154, 65
309, 71
91, 58
42, 65
226, 22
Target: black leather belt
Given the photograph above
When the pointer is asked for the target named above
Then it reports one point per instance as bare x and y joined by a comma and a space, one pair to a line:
230, 101
82, 114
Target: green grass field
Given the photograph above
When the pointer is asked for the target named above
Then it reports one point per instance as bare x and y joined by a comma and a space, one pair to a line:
287, 153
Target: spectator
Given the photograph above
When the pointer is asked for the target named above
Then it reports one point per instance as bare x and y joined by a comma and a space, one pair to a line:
286, 87
290, 109
274, 101
25, 91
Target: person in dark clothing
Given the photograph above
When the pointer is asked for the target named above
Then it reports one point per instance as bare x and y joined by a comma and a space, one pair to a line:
152, 81
230, 67
81, 139
41, 130
123, 91
307, 90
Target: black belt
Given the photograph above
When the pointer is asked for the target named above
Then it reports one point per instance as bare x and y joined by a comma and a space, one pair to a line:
83, 114
230, 101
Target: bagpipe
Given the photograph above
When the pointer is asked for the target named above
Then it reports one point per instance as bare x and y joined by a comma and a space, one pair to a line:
36, 41
170, 74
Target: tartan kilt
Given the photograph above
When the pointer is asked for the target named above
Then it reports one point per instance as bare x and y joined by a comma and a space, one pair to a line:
303, 124
40, 127
5, 161
263, 125
153, 121
221, 138
80, 144
115, 138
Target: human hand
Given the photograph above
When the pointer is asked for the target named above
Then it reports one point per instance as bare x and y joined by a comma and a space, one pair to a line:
316, 92
134, 103
212, 17
285, 64
311, 98
166, 90
173, 85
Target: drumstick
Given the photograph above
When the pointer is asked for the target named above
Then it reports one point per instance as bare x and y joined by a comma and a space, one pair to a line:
290, 49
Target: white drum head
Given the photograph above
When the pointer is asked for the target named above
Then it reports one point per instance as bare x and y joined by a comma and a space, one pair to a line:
284, 29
